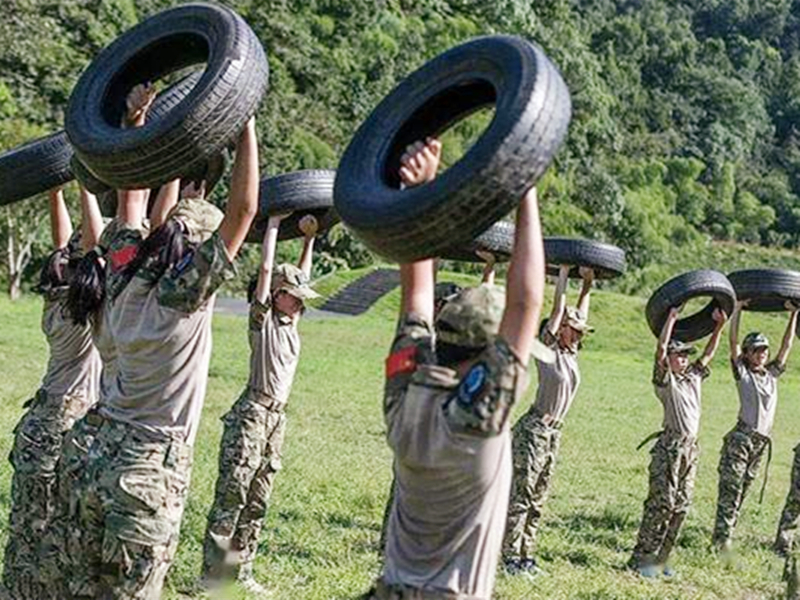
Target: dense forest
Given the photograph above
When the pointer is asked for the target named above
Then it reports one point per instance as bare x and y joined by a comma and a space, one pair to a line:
686, 123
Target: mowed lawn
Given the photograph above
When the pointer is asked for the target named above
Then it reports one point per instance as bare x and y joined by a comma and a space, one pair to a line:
321, 533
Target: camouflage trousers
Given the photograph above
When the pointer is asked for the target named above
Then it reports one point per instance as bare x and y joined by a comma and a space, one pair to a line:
37, 445
673, 468
790, 518
738, 466
383, 591
534, 447
125, 513
249, 459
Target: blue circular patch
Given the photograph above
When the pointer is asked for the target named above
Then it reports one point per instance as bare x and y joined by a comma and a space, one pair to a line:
475, 379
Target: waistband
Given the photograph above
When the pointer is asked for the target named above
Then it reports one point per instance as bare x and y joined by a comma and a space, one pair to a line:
384, 591
743, 427
671, 435
547, 419
265, 400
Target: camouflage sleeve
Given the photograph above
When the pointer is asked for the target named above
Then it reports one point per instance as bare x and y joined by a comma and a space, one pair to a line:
412, 347
196, 277
259, 313
776, 369
123, 244
485, 396
660, 373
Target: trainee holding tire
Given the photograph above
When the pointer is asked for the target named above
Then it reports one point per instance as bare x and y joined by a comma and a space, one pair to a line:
197, 128
532, 112
606, 260
766, 290
678, 290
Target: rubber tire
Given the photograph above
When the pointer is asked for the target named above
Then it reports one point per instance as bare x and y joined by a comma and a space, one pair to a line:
205, 122
607, 260
766, 289
532, 112
301, 193
34, 168
498, 239
676, 291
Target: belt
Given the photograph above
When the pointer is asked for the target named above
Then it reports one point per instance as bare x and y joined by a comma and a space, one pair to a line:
547, 420
742, 427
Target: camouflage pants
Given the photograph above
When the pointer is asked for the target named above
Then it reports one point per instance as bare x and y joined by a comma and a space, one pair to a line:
790, 518
37, 445
534, 447
673, 468
383, 591
126, 509
738, 466
249, 458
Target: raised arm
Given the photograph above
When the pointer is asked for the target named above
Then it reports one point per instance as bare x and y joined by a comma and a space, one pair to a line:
309, 226
788, 335
733, 332
60, 223
666, 335
559, 300
243, 203
91, 220
525, 282
587, 274
720, 318
419, 163
488, 268
166, 200
132, 204
268, 248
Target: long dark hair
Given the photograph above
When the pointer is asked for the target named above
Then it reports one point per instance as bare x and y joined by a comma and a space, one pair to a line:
87, 288
54, 271
166, 246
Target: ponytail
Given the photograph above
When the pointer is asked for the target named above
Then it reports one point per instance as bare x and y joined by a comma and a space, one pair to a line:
87, 290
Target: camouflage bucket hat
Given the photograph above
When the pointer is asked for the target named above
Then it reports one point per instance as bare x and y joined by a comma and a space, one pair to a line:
200, 217
472, 317
575, 319
293, 281
679, 347
755, 339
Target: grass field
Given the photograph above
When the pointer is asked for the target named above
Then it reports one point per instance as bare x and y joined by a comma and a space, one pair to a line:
322, 529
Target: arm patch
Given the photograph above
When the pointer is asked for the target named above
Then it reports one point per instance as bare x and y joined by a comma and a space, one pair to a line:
402, 361
120, 258
472, 386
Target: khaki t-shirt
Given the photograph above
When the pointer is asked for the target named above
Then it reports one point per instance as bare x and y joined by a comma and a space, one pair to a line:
161, 324
452, 463
758, 394
558, 381
74, 365
104, 342
274, 353
680, 395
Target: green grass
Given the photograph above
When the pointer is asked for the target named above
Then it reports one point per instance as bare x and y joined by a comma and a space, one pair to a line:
322, 528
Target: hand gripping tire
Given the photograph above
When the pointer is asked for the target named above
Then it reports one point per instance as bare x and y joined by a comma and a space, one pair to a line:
607, 260
34, 168
532, 112
684, 287
195, 129
498, 239
767, 290
301, 193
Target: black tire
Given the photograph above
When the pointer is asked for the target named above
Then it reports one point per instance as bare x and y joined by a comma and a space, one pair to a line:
766, 290
87, 179
301, 193
498, 239
195, 129
34, 168
532, 112
684, 287
607, 260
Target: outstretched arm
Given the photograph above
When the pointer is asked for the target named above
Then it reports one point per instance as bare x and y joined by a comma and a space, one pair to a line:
666, 335
165, 201
91, 220
309, 226
268, 247
132, 204
733, 332
720, 318
488, 268
587, 274
243, 203
60, 223
788, 336
559, 300
525, 283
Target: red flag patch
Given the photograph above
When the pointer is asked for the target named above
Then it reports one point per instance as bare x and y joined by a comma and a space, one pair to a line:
402, 361
120, 258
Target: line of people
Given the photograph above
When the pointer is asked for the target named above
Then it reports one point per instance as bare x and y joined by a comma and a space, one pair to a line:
102, 457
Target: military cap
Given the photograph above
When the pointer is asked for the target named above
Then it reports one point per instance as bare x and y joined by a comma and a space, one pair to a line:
755, 339
200, 217
679, 347
292, 280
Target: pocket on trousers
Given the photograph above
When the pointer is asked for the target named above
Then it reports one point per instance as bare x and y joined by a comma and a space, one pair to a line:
142, 490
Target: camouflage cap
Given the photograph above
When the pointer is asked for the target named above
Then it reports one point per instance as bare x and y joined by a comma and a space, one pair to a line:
755, 339
293, 281
575, 319
471, 318
678, 347
200, 217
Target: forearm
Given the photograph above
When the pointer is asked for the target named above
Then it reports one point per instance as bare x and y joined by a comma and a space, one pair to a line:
488, 274
243, 203
585, 297
60, 223
666, 336
417, 286
711, 346
733, 334
268, 251
91, 220
306, 257
788, 339
165, 201
559, 302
